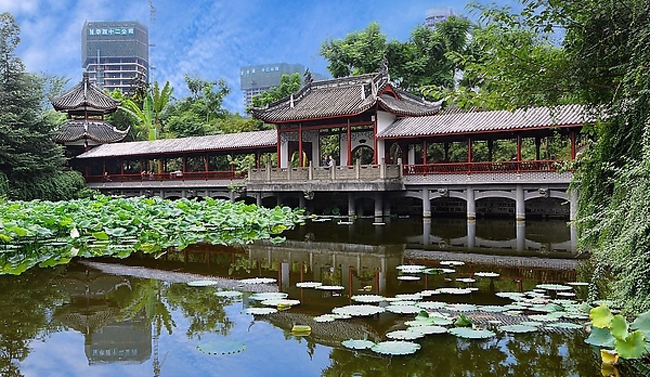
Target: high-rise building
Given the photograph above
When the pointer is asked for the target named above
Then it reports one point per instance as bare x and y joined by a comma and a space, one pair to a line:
439, 14
255, 79
115, 54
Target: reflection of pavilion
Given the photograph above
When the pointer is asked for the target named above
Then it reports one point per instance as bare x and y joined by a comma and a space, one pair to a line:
91, 313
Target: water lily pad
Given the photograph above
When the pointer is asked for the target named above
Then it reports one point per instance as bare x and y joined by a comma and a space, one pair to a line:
455, 291
408, 278
330, 318
358, 310
258, 281
487, 274
280, 302
202, 283
566, 294
466, 280
263, 296
261, 311
493, 308
411, 268
440, 321
470, 333
554, 287
357, 344
429, 292
331, 287
462, 307
452, 263
402, 309
428, 329
396, 347
448, 270
368, 298
404, 335
309, 284
565, 325
600, 337
543, 317
577, 283
228, 294
511, 295
402, 303
531, 323
409, 296
431, 305
221, 347
518, 329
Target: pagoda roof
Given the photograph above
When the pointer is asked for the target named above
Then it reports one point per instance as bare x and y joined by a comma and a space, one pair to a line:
475, 122
242, 140
96, 130
85, 96
345, 96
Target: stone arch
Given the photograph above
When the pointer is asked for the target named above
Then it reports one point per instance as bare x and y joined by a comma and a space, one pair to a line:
364, 205
269, 201
448, 206
547, 207
410, 205
291, 201
495, 205
172, 194
364, 153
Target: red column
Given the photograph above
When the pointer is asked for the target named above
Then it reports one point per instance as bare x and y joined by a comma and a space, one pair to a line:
518, 147
573, 145
259, 159
469, 150
299, 144
424, 152
349, 144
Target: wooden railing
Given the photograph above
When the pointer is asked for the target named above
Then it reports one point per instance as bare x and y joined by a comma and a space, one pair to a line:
482, 167
168, 176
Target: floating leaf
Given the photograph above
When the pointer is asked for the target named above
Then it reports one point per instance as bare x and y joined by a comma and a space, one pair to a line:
357, 344
309, 284
462, 307
331, 287
492, 308
404, 335
601, 316
396, 347
330, 317
429, 292
618, 327
202, 283
466, 280
518, 329
531, 323
408, 278
554, 287
410, 268
543, 317
452, 263
358, 310
565, 325
431, 305
642, 323
487, 274
221, 347
402, 309
368, 298
631, 347
280, 302
261, 311
600, 337
469, 333
228, 294
455, 291
263, 296
409, 296
258, 281
428, 329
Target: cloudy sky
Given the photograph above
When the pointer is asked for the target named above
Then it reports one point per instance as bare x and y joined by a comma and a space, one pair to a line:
210, 39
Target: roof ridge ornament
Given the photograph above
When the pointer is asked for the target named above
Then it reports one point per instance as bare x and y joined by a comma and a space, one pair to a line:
307, 77
383, 66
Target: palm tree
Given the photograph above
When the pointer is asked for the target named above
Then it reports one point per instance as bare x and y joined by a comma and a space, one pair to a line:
153, 107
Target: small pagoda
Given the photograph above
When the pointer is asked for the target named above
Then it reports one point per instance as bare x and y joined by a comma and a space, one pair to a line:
86, 106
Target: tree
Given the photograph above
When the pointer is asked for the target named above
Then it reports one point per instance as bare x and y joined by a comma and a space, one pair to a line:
357, 54
288, 84
150, 114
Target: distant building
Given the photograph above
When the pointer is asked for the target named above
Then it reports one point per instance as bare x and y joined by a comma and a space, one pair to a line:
115, 54
255, 79
439, 14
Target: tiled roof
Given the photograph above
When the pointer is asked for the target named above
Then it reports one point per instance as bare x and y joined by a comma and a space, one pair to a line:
85, 95
484, 121
96, 130
240, 140
342, 97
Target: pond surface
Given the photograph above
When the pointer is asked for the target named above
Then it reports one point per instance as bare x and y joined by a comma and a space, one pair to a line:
76, 320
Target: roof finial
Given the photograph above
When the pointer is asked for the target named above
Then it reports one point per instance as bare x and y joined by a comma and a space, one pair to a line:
307, 78
383, 65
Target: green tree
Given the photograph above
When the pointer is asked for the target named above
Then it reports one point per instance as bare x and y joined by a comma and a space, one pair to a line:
357, 54
288, 84
150, 114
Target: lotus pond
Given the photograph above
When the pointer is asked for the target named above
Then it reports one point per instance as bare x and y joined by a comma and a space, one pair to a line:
332, 300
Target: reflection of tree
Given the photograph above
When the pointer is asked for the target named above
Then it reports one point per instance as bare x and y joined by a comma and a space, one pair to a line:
201, 307
27, 301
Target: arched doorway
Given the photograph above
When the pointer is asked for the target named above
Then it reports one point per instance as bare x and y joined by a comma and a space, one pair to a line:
364, 154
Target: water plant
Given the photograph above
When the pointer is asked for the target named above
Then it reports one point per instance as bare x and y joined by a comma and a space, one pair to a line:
613, 332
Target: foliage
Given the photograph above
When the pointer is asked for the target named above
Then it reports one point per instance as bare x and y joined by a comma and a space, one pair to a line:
614, 332
51, 233
150, 114
288, 84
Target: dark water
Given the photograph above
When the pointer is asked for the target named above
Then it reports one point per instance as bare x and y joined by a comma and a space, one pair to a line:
75, 321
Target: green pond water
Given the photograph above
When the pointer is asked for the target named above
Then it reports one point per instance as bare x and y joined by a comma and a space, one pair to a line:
74, 320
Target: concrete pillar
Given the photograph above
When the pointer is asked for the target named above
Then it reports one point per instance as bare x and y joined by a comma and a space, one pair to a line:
351, 209
574, 237
471, 203
573, 205
379, 206
471, 233
520, 204
258, 199
411, 155
426, 204
426, 231
521, 235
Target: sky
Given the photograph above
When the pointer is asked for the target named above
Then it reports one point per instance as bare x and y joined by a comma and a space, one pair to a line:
210, 39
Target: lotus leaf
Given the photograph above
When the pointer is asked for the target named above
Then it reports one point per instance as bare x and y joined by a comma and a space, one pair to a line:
325, 318
404, 335
492, 308
455, 291
513, 313
228, 294
511, 295
543, 317
548, 308
469, 333
462, 307
396, 347
618, 327
577, 283
403, 303
409, 268
357, 344
358, 310
566, 294
632, 346
601, 316
263, 296
428, 329
518, 329
440, 321
308, 284
431, 305
487, 274
429, 292
448, 270
221, 347
642, 323
258, 281
330, 287
402, 309
566, 325
409, 296
202, 283
452, 263
600, 337
280, 302
408, 278
531, 323
368, 298
466, 280
554, 287
261, 311
432, 271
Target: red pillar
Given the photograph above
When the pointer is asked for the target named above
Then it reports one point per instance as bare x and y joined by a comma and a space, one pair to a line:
469, 149
299, 144
349, 144
573, 145
424, 152
518, 147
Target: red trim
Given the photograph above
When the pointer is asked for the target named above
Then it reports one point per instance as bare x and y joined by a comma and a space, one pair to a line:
481, 167
573, 145
479, 133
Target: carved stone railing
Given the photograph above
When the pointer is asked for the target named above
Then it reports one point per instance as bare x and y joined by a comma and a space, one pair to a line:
357, 172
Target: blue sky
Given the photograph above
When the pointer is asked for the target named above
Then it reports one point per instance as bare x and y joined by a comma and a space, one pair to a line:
211, 39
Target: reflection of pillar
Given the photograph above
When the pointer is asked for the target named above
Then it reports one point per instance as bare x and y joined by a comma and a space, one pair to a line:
471, 233
573, 205
278, 199
301, 201
521, 235
379, 206
520, 204
574, 237
285, 275
471, 203
426, 231
426, 204
386, 207
351, 211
